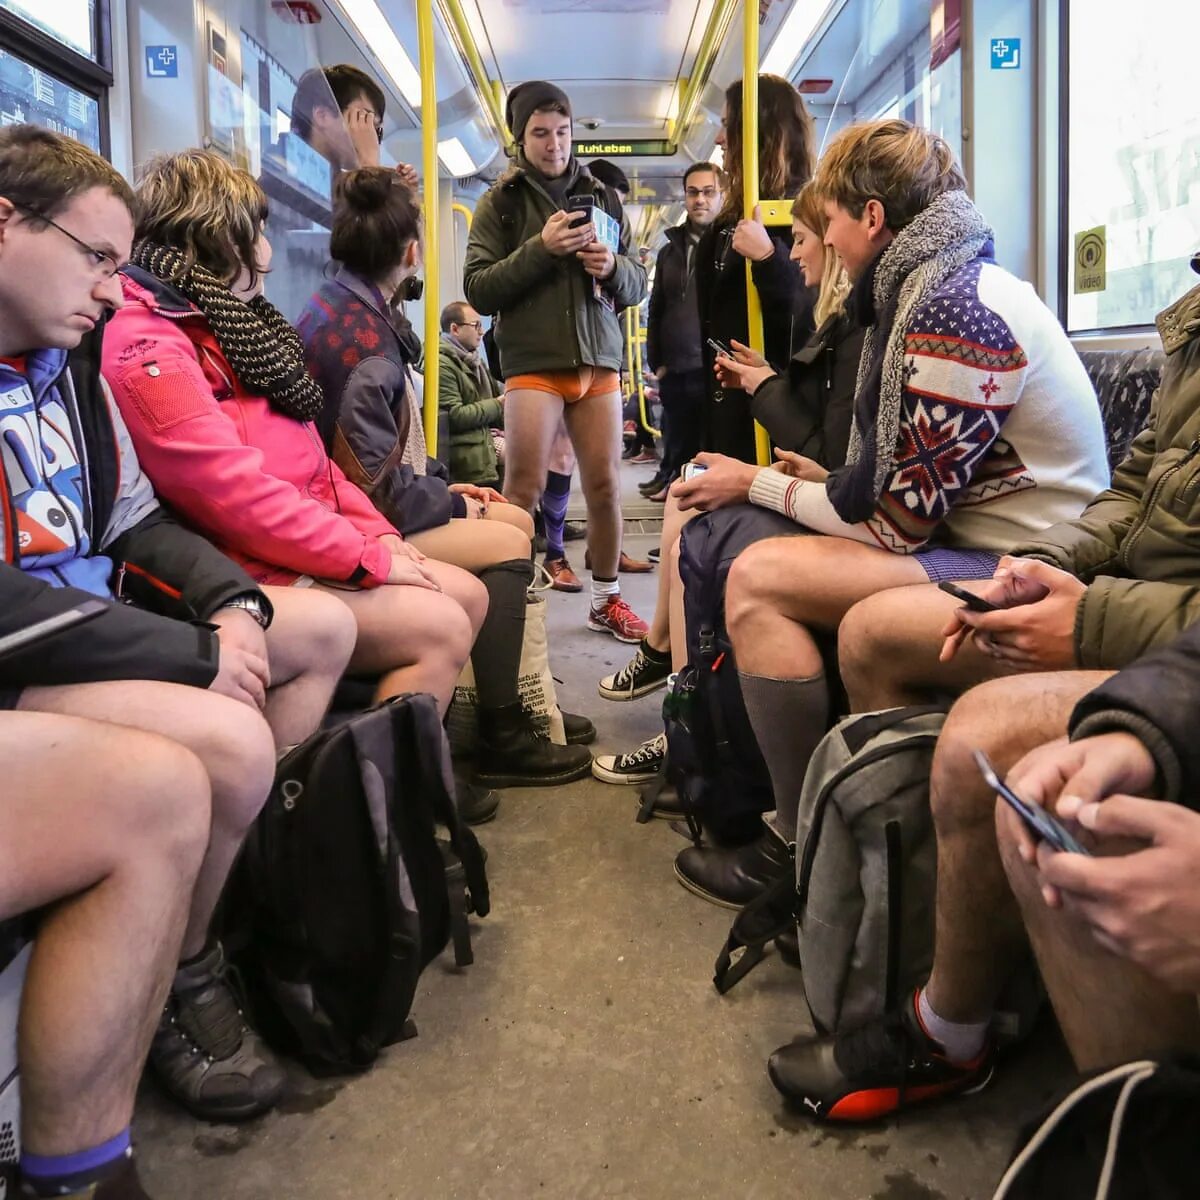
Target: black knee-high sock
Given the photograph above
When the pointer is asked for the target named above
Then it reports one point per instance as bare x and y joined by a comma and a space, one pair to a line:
496, 655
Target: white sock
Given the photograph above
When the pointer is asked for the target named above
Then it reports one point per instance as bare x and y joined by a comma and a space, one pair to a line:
602, 589
961, 1042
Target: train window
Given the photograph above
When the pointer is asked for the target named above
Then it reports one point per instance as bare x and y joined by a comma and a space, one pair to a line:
28, 93
1133, 160
70, 22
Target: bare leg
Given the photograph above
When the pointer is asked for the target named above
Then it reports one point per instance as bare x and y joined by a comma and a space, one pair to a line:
112, 825
662, 626
595, 428
473, 545
416, 639
888, 646
678, 621
232, 741
979, 935
531, 419
1110, 1010
309, 644
779, 586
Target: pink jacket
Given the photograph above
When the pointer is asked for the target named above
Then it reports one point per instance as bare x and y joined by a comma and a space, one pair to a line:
258, 483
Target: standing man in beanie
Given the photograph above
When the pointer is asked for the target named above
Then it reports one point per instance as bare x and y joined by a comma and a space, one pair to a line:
556, 290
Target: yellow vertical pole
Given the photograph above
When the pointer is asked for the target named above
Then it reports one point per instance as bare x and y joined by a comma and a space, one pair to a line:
629, 346
429, 138
750, 196
641, 376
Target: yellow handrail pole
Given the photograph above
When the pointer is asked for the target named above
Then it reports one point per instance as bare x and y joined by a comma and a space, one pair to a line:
464, 212
754, 321
629, 346
487, 88
641, 378
429, 139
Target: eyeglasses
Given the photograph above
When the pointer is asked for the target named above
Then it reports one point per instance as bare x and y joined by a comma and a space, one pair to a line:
469, 324
695, 193
103, 263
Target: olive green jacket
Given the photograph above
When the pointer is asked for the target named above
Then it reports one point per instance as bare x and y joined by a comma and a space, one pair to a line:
549, 319
1137, 545
469, 398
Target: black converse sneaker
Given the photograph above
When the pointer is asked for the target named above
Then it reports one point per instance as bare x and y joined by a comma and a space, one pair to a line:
645, 672
205, 1054
639, 767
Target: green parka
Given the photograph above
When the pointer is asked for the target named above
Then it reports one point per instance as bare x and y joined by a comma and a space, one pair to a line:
1137, 545
469, 397
548, 317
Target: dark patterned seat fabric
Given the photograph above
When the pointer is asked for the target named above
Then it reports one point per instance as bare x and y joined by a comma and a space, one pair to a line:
1125, 382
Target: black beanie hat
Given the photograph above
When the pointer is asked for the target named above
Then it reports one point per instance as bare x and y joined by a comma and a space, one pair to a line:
526, 98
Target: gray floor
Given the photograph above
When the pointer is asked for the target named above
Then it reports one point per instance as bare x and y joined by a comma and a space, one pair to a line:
586, 1053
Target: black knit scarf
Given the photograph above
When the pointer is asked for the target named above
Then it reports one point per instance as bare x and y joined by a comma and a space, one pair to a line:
264, 350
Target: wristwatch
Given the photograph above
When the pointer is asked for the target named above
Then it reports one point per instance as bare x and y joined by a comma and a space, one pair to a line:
249, 602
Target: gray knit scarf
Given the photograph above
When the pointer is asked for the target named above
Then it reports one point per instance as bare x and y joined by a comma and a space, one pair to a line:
947, 235
264, 350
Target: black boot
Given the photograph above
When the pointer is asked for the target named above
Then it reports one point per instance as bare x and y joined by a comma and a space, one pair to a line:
732, 878
476, 805
512, 754
578, 729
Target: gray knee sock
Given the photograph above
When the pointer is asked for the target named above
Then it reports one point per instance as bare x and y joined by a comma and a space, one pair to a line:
789, 718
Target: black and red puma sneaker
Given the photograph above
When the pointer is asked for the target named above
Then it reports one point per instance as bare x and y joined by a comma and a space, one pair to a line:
875, 1070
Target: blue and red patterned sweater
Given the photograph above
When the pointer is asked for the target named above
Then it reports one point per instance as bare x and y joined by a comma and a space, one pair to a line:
1000, 432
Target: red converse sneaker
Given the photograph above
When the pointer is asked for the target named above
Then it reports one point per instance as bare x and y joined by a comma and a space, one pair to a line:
617, 618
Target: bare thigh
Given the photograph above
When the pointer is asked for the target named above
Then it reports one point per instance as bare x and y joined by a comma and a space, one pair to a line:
531, 420
77, 794
399, 624
475, 544
594, 424
815, 580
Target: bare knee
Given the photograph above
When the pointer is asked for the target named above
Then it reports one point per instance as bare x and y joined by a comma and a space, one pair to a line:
240, 762
863, 646
167, 808
511, 541
518, 519
600, 490
330, 636
744, 585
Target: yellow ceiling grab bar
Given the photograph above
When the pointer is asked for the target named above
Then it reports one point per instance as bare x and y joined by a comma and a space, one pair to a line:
488, 90
429, 140
464, 211
706, 56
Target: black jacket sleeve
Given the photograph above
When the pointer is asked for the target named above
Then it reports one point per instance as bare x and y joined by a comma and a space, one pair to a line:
177, 573
658, 302
1157, 698
123, 643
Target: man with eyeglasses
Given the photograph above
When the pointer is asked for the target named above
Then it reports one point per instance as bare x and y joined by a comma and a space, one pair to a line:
469, 397
673, 349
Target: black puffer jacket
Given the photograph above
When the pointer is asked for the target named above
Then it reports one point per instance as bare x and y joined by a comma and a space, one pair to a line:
721, 291
810, 409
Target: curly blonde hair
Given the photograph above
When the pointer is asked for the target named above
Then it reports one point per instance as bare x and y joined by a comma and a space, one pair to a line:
200, 204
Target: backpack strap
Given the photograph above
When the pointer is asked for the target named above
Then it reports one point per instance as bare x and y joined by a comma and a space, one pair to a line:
766, 917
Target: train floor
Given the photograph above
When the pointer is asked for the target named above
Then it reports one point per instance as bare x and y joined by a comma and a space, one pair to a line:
586, 1053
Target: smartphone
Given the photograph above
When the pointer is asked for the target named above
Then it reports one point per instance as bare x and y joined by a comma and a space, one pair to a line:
691, 470
1045, 827
973, 602
582, 205
40, 630
720, 348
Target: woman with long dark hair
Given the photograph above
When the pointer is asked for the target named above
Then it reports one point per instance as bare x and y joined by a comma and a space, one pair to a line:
786, 158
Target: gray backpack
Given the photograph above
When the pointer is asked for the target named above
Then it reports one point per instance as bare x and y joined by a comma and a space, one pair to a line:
866, 864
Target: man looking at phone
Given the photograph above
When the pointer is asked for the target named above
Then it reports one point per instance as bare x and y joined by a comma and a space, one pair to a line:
674, 350
200, 655
535, 260
1095, 593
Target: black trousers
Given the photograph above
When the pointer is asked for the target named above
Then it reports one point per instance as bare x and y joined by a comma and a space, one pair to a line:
682, 395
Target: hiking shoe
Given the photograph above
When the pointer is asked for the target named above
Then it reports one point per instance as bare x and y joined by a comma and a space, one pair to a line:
642, 674
639, 767
625, 564
513, 752
562, 578
578, 730
617, 618
205, 1054
872, 1071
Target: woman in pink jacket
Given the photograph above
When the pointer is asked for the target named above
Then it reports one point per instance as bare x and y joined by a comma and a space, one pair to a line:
211, 381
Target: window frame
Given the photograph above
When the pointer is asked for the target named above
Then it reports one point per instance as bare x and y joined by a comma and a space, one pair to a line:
40, 50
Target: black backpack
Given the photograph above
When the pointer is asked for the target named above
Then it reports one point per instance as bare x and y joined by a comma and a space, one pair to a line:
343, 894
713, 759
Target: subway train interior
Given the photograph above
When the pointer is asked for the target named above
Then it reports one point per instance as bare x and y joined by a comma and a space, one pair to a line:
933, 980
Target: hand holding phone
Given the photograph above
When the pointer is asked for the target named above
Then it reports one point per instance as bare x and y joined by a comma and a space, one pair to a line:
1042, 824
691, 470
583, 206
719, 348
970, 599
